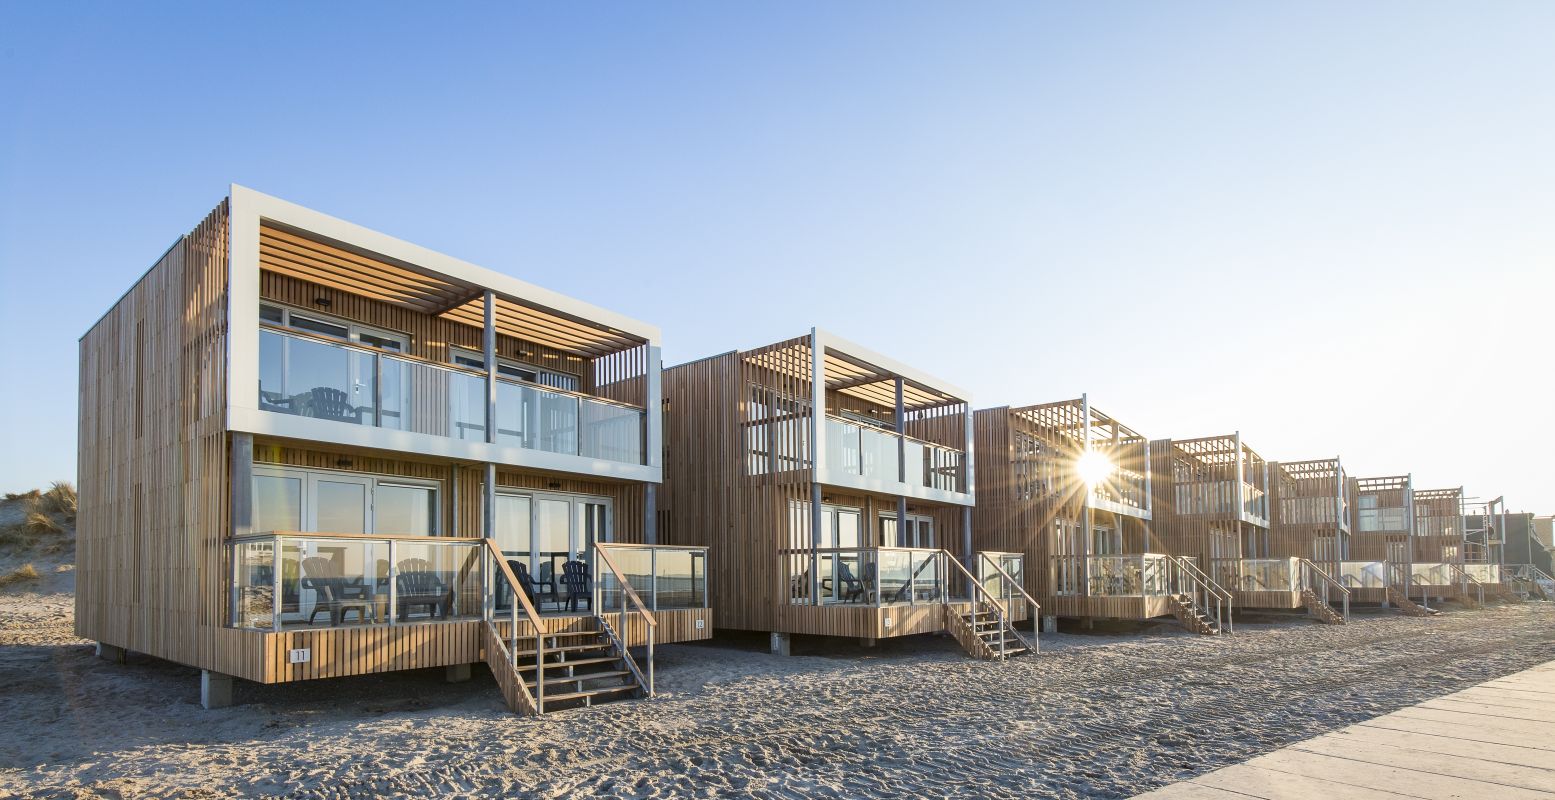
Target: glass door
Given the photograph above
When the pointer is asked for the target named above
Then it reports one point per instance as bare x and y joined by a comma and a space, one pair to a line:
340, 503
543, 532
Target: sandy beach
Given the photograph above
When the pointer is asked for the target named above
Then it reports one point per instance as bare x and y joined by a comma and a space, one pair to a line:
1091, 716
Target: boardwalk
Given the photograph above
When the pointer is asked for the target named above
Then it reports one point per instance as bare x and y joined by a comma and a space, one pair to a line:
1496, 739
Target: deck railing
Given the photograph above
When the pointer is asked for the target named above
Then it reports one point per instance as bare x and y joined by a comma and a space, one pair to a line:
286, 580
308, 376
1468, 582
1355, 575
872, 576
1185, 578
1484, 573
1327, 587
1259, 574
665, 577
1132, 575
871, 452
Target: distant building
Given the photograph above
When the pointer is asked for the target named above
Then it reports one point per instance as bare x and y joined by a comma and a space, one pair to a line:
1521, 541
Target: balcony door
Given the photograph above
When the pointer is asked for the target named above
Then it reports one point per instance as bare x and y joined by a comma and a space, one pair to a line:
918, 532
543, 531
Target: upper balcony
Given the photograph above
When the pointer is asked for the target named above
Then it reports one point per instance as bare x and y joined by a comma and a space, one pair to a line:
1220, 476
1385, 505
355, 338
885, 427
1439, 512
1312, 492
1071, 450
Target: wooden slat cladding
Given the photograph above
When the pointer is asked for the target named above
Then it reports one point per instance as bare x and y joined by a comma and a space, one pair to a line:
1438, 526
1382, 543
153, 461
1198, 498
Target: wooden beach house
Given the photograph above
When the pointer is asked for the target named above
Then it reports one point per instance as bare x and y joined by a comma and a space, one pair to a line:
310, 450
1380, 564
1309, 519
1212, 500
1069, 487
834, 486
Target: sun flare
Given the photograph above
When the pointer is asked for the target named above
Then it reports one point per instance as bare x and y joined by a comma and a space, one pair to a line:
1094, 467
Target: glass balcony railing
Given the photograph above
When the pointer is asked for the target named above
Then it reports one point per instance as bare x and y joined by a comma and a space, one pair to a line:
871, 452
864, 576
1134, 575
1363, 574
1484, 573
309, 377
1432, 574
665, 577
995, 584
287, 581
1258, 574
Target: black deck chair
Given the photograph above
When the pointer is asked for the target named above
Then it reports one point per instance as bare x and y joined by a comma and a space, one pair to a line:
575, 578
417, 584
852, 588
336, 594
521, 571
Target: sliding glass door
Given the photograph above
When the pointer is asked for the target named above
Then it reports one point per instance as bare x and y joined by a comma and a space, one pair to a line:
542, 532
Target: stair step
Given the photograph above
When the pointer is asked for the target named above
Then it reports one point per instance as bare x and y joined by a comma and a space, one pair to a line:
586, 676
557, 698
565, 634
572, 663
571, 648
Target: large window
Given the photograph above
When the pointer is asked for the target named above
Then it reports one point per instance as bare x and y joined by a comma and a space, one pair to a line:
327, 501
470, 359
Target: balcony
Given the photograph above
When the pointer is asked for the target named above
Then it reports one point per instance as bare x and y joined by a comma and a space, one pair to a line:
886, 576
287, 580
869, 452
1133, 575
305, 376
1259, 574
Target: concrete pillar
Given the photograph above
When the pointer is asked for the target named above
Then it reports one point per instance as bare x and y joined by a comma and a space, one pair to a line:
868, 641
456, 673
215, 689
108, 652
779, 644
1050, 624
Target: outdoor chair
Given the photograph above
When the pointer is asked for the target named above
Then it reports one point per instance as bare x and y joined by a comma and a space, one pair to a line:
418, 586
546, 579
521, 571
334, 593
575, 578
326, 402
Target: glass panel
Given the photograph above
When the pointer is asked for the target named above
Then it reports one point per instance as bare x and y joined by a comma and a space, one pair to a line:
879, 452
436, 581
636, 563
558, 430
333, 582
394, 394
553, 543
272, 373
848, 524
680, 578
253, 594
277, 504
403, 510
842, 446
339, 506
612, 432
467, 406
512, 527
917, 463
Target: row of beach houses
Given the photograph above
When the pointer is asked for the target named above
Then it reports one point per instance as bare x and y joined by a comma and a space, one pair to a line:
309, 450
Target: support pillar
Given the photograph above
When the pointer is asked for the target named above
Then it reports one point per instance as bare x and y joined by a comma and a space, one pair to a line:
114, 653
868, 641
1049, 624
456, 673
779, 644
215, 689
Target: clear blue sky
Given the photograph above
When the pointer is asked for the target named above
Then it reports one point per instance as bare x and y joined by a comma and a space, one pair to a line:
1189, 211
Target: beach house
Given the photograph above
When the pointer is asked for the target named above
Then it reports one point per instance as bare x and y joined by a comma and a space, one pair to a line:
1212, 501
834, 486
1069, 488
310, 450
1309, 519
1382, 521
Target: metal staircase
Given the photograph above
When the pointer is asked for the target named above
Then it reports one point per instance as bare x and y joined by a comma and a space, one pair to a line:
1400, 579
1320, 591
1534, 582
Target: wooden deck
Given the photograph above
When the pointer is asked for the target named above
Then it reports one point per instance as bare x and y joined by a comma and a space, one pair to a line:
1496, 739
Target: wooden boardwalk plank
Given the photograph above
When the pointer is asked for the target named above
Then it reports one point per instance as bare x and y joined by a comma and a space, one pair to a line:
1492, 740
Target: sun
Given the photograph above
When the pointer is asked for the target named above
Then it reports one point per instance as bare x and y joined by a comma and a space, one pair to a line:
1094, 467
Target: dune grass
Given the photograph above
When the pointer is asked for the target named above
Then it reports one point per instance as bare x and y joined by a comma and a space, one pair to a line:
21, 574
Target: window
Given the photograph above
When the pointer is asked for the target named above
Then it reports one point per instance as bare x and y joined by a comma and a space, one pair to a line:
469, 359
329, 501
919, 531
284, 317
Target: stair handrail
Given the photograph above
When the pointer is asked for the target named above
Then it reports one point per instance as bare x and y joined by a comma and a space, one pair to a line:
1036, 608
520, 599
1327, 580
1210, 588
1465, 579
1000, 611
1530, 573
641, 608
626, 654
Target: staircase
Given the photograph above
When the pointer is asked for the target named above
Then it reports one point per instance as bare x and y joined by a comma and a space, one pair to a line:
1321, 611
576, 668
1191, 615
1408, 607
984, 634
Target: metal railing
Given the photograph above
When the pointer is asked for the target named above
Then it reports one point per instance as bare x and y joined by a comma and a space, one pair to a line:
1354, 575
1325, 586
668, 576
310, 376
629, 597
1187, 578
1132, 575
991, 566
870, 576
1465, 580
1259, 574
